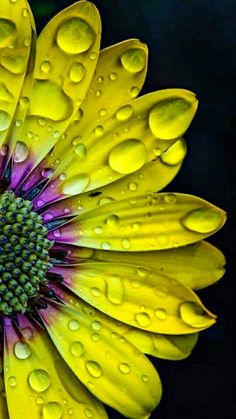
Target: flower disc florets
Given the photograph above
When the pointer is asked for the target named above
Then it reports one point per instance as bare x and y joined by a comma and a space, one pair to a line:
24, 258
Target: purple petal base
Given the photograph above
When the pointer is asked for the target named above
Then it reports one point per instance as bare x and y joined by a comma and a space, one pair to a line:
38, 175
48, 195
20, 171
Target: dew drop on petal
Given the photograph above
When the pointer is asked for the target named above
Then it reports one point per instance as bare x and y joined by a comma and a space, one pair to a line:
106, 246
160, 313
22, 350
88, 412
39, 380
113, 76
133, 60
112, 220
8, 32
77, 349
93, 368
142, 319
126, 244
96, 325
202, 220
175, 154
98, 130
52, 410
95, 291
134, 91
21, 152
77, 72
124, 368
128, 156
115, 290
76, 184
46, 66
5, 120
75, 35
124, 113
73, 325
12, 381
193, 315
80, 151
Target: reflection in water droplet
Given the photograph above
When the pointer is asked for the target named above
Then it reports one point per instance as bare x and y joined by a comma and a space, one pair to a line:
194, 315
73, 325
76, 184
203, 220
128, 156
52, 410
77, 72
175, 154
124, 113
8, 32
142, 319
21, 152
5, 120
93, 368
124, 367
133, 60
77, 349
75, 36
22, 350
39, 380
115, 290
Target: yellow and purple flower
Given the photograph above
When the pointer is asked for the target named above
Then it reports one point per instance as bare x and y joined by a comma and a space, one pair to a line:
97, 268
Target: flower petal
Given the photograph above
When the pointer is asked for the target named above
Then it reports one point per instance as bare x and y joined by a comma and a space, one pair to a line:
15, 43
65, 62
117, 373
37, 376
125, 145
3, 402
137, 183
137, 296
152, 222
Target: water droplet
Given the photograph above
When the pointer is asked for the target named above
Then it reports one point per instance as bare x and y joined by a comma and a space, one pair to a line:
98, 230
133, 186
77, 349
93, 368
170, 198
60, 104
75, 36
134, 91
5, 120
77, 72
105, 200
113, 76
160, 313
106, 246
100, 79
115, 290
128, 156
124, 368
57, 233
88, 413
142, 272
22, 350
80, 151
25, 12
133, 60
5, 94
4, 150
96, 325
93, 56
126, 243
161, 291
21, 152
8, 32
27, 333
112, 220
46, 67
194, 315
75, 185
124, 113
39, 400
39, 380
12, 381
103, 112
202, 220
98, 93
73, 325
142, 319
145, 378
175, 154
136, 284
98, 130
52, 410
95, 291
96, 337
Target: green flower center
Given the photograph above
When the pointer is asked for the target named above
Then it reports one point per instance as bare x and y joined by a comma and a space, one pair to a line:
24, 257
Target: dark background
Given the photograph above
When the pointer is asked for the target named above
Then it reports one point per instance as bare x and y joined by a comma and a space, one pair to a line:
192, 45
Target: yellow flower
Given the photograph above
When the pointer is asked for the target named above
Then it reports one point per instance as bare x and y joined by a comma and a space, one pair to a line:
96, 267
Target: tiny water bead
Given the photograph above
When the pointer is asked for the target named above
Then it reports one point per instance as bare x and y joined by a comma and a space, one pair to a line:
24, 258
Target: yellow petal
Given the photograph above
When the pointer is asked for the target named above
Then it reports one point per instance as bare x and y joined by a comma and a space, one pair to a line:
152, 222
137, 183
116, 372
3, 402
137, 296
37, 380
65, 62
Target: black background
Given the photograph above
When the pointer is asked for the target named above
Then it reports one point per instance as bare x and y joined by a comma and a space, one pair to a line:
192, 45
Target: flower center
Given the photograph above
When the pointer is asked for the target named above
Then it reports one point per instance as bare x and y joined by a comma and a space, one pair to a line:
24, 257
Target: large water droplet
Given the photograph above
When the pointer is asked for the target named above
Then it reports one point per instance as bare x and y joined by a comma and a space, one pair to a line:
5, 120
22, 350
133, 60
60, 106
75, 36
8, 32
21, 152
76, 184
5, 94
39, 380
175, 154
128, 156
52, 410
15, 63
142, 319
115, 290
202, 220
77, 72
194, 315
93, 368
124, 113
77, 349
